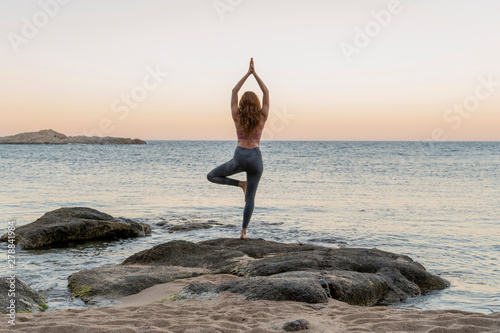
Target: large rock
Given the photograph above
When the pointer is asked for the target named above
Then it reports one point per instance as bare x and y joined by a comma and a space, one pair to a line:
187, 254
220, 256
301, 287
258, 247
122, 280
53, 137
354, 288
75, 224
346, 259
357, 288
276, 271
26, 299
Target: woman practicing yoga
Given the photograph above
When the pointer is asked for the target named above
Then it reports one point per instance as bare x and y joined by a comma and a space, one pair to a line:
249, 118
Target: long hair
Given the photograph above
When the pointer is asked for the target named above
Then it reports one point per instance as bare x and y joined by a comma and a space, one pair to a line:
250, 112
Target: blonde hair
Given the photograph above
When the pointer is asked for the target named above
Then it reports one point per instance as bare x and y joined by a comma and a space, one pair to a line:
250, 112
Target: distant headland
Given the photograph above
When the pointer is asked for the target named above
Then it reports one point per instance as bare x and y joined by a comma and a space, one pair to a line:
52, 137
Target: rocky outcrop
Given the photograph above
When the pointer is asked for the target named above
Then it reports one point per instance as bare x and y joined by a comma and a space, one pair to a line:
298, 286
217, 260
53, 137
274, 271
123, 280
17, 296
75, 224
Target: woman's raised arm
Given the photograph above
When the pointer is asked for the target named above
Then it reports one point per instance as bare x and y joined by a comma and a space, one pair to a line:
265, 91
236, 89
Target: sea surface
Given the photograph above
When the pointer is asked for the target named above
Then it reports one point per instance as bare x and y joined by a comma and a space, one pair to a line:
437, 202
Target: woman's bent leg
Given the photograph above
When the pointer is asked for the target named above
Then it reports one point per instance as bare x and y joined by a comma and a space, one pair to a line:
219, 174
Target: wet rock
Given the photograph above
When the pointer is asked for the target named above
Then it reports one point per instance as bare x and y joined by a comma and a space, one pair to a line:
75, 224
184, 224
373, 261
357, 288
299, 261
219, 260
276, 271
53, 137
122, 280
349, 259
299, 288
258, 247
162, 223
189, 226
25, 299
400, 287
303, 287
296, 325
355, 276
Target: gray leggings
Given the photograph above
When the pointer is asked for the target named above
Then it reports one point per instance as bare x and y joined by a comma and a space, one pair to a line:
244, 159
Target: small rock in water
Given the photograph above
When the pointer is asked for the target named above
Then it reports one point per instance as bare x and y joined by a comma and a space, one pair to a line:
325, 240
188, 226
296, 325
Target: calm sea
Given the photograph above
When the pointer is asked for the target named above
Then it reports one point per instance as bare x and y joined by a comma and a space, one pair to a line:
439, 203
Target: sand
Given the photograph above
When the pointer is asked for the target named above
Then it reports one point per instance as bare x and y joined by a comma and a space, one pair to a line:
145, 312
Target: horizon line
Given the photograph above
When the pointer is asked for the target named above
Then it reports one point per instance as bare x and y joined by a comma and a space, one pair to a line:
427, 141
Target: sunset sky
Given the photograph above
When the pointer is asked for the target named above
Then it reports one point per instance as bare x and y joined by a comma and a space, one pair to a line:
336, 70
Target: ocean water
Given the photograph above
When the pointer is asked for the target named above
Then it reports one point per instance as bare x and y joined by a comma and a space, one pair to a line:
438, 203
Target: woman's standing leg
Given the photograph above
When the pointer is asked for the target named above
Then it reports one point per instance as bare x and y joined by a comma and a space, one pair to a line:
254, 173
252, 184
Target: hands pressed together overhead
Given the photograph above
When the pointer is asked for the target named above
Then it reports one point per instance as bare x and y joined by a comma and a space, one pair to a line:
251, 69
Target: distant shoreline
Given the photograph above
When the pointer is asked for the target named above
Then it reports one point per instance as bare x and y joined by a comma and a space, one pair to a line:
52, 137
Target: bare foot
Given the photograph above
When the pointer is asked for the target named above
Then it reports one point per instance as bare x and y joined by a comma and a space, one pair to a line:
244, 234
243, 185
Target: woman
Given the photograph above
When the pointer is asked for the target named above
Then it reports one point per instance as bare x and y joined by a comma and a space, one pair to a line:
249, 119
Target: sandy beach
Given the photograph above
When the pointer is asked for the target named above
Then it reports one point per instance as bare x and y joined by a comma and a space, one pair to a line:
154, 310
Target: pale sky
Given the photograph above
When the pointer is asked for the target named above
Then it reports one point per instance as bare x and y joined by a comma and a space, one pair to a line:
336, 70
